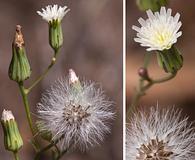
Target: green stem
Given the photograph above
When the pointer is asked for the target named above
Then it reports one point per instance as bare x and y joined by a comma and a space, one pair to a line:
53, 61
61, 154
164, 79
142, 89
49, 146
157, 81
146, 64
16, 156
37, 157
58, 150
137, 95
147, 60
24, 93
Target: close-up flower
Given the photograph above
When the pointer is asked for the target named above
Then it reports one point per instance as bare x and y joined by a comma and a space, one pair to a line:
160, 31
160, 134
76, 113
52, 13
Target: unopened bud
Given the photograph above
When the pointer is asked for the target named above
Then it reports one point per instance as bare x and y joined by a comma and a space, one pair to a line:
19, 69
143, 72
55, 34
12, 138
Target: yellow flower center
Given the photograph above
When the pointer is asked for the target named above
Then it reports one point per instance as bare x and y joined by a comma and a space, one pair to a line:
162, 38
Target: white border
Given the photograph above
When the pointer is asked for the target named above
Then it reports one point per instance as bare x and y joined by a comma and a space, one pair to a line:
124, 78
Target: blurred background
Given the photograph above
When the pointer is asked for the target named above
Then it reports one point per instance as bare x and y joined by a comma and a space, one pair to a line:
92, 47
180, 91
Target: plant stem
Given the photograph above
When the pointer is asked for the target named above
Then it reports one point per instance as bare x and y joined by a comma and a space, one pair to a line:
58, 150
25, 91
137, 95
147, 60
27, 107
16, 156
45, 149
142, 89
24, 94
53, 61
61, 154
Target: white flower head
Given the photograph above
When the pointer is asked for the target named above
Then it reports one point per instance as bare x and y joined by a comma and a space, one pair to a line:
79, 118
53, 13
161, 134
159, 31
7, 115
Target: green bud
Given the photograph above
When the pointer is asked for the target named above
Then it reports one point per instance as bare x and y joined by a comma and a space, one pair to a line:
55, 34
12, 138
170, 60
19, 69
154, 5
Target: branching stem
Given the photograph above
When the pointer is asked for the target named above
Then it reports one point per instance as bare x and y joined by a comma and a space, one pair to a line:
53, 61
142, 87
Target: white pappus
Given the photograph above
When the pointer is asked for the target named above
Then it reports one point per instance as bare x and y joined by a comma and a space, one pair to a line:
76, 112
160, 134
54, 12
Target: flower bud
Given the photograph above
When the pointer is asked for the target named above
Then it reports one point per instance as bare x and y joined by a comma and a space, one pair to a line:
154, 5
54, 15
55, 34
12, 138
170, 60
74, 80
19, 69
143, 72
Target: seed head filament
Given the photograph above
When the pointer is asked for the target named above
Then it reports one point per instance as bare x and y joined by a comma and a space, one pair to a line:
154, 150
75, 114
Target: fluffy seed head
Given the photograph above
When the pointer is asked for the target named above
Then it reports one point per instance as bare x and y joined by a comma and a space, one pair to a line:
7, 115
161, 134
78, 117
54, 12
159, 31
